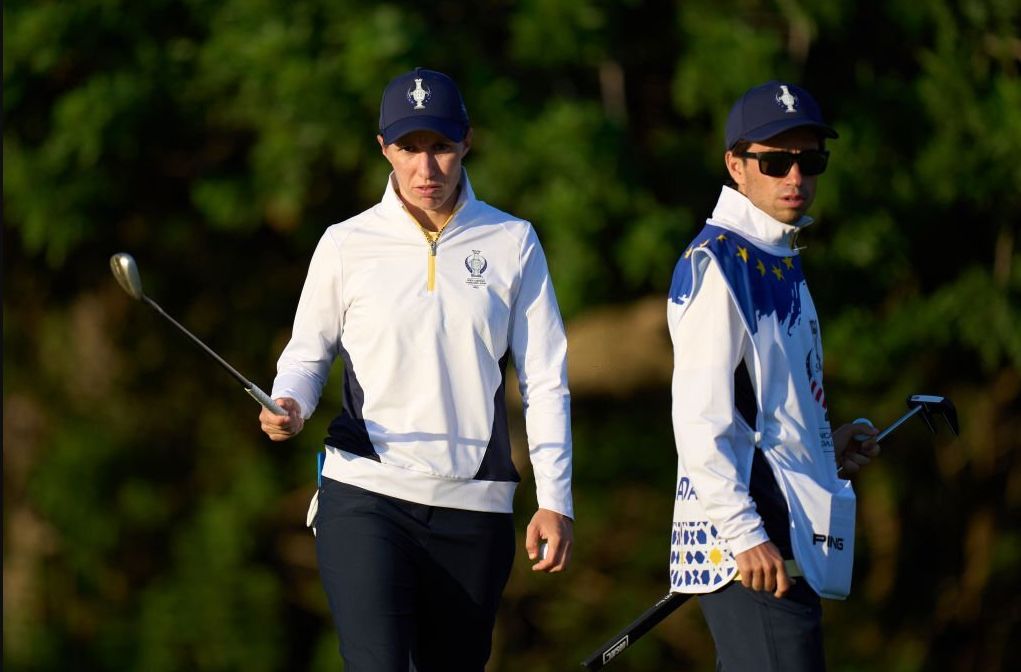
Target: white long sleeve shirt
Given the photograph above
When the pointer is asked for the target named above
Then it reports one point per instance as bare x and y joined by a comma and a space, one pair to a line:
425, 331
739, 295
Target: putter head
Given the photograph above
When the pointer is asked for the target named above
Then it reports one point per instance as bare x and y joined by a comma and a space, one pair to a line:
126, 272
930, 405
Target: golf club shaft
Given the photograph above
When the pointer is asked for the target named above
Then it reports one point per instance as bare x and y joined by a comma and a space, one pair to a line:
629, 635
897, 423
665, 606
250, 387
886, 432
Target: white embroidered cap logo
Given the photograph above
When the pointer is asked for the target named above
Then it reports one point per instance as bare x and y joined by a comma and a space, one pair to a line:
787, 99
419, 95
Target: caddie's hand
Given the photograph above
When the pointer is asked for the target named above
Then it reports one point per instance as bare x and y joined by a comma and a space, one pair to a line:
850, 451
761, 568
557, 530
282, 427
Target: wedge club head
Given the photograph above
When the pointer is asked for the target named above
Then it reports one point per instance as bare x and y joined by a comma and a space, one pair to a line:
126, 272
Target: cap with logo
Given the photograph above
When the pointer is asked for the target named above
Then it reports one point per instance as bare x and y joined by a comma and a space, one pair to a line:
771, 109
422, 100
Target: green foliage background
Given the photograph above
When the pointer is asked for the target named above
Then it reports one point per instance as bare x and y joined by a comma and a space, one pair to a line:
148, 525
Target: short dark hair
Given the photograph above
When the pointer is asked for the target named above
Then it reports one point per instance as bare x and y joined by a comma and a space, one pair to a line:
739, 148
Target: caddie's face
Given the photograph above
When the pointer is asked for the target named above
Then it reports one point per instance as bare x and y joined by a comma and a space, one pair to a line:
427, 166
785, 198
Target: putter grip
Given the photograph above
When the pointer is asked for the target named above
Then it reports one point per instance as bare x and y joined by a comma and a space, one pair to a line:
264, 399
862, 421
616, 645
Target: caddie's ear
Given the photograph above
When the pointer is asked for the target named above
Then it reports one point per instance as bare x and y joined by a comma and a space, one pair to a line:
467, 142
382, 145
736, 168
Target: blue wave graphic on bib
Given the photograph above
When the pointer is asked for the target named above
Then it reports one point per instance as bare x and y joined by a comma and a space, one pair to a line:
765, 285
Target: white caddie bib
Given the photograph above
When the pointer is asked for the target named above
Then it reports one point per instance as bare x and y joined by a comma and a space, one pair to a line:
780, 318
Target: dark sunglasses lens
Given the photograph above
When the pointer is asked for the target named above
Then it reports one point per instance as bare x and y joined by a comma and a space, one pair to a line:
812, 163
775, 164
778, 164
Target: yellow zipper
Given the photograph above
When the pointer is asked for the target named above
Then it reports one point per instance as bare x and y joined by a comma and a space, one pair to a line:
430, 282
433, 239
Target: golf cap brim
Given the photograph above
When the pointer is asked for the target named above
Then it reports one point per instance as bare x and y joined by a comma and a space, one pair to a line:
777, 127
451, 130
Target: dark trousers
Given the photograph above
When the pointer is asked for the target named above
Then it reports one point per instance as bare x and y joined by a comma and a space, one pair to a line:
756, 632
411, 587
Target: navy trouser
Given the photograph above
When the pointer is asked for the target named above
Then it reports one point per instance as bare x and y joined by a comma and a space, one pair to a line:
411, 587
756, 632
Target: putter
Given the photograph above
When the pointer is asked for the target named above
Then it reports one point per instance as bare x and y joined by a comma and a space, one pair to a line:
126, 272
927, 405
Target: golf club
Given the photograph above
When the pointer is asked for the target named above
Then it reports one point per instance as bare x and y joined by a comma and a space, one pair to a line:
665, 606
126, 272
927, 405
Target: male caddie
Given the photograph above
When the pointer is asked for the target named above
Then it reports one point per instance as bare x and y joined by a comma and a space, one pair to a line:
763, 522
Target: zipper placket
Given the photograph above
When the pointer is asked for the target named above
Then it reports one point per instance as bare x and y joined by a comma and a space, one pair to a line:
430, 282
433, 241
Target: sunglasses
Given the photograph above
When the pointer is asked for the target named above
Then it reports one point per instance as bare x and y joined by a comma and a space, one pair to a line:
778, 164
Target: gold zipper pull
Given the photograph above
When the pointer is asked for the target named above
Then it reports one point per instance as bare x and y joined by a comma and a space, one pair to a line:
430, 281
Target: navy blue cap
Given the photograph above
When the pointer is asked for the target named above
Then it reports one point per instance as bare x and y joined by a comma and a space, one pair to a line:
422, 100
771, 109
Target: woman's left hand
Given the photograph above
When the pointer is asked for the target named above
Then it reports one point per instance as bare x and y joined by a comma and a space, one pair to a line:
557, 531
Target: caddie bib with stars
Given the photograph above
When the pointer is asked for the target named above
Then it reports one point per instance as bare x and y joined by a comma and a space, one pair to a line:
792, 424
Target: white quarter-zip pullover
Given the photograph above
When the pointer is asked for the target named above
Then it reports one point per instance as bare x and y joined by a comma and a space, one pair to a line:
425, 330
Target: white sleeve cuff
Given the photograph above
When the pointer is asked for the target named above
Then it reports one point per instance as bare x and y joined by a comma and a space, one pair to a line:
747, 541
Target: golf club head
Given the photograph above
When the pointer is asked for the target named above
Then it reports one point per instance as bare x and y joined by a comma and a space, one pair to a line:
930, 405
124, 269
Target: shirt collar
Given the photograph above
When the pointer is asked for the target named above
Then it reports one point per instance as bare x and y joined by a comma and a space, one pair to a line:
391, 200
735, 212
